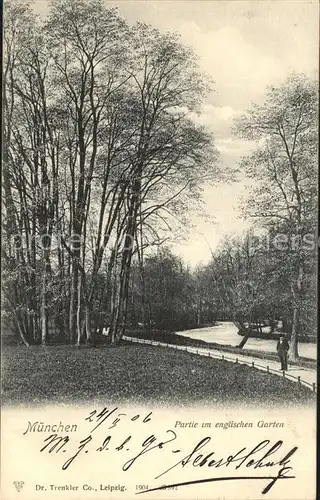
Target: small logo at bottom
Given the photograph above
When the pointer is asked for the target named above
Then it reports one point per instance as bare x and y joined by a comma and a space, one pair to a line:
18, 485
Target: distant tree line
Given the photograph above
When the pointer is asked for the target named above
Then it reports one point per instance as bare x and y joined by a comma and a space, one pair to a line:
248, 281
168, 295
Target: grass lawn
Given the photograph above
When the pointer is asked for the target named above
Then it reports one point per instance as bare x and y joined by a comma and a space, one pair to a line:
137, 374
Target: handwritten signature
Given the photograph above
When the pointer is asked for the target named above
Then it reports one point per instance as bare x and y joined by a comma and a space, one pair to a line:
265, 455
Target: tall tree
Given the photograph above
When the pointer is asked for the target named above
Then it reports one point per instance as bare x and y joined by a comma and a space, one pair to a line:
88, 43
172, 155
30, 161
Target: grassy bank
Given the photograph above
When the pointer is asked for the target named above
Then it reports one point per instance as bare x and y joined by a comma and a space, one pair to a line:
137, 374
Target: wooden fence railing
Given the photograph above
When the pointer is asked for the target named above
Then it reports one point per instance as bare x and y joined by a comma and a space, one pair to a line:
234, 359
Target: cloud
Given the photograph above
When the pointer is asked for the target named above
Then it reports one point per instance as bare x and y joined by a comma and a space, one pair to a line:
218, 118
233, 146
240, 70
220, 112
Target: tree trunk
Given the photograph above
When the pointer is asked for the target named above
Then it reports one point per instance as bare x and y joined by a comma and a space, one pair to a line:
246, 336
272, 325
44, 314
199, 312
22, 336
79, 311
143, 296
142, 277
35, 328
119, 316
73, 302
117, 326
293, 350
113, 297
124, 308
88, 323
44, 298
240, 325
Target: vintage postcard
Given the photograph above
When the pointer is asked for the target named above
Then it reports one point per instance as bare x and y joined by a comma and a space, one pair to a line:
159, 249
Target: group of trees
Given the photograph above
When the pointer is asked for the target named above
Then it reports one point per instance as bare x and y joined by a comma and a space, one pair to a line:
99, 158
102, 162
284, 199
269, 274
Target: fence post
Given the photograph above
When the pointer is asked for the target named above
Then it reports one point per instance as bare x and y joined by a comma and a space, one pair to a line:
252, 364
299, 379
222, 356
236, 360
284, 374
268, 368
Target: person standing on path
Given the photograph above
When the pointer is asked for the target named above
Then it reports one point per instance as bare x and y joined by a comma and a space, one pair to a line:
282, 350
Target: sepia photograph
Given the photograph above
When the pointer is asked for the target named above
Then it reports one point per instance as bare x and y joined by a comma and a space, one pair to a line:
159, 240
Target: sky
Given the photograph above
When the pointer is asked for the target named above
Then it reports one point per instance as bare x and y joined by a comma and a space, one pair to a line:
244, 46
